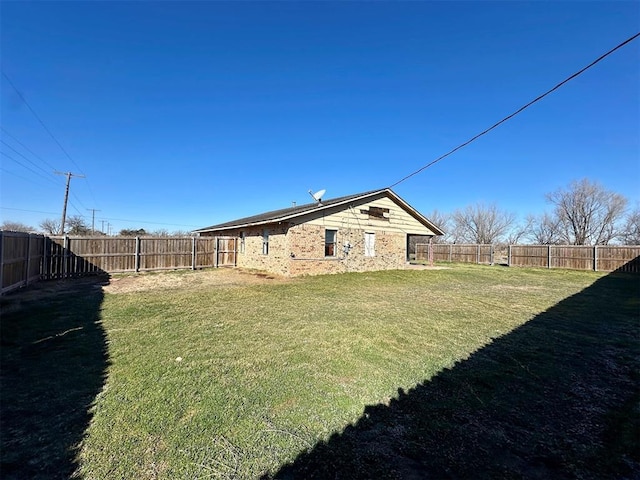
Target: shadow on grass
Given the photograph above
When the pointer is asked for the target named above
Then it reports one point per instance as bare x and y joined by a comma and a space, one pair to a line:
556, 398
54, 359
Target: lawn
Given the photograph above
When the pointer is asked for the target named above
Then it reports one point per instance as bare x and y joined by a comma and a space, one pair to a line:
467, 371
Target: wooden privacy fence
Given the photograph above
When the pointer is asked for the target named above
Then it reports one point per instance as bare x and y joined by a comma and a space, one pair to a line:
25, 258
21, 259
449, 252
604, 258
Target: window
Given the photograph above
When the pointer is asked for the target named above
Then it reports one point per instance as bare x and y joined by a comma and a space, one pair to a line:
330, 243
369, 244
241, 242
265, 242
377, 213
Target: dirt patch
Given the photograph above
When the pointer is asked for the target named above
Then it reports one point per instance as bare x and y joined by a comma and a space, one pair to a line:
419, 266
138, 282
198, 279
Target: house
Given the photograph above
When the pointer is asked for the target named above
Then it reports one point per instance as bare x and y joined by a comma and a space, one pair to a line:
363, 232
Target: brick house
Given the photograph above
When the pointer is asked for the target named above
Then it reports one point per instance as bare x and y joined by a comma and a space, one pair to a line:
362, 232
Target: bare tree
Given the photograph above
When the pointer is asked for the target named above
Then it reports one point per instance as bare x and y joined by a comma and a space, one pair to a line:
588, 213
130, 232
631, 229
16, 227
76, 225
544, 229
442, 221
181, 233
481, 224
518, 232
50, 226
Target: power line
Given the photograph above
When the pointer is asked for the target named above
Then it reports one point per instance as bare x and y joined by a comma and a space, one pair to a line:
28, 149
23, 156
78, 200
105, 218
40, 120
46, 129
150, 223
27, 167
23, 178
508, 117
75, 207
27, 210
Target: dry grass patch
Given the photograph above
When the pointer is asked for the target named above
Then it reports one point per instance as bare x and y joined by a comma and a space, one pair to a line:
186, 279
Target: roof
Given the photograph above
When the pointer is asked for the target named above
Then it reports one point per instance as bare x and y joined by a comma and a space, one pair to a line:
297, 211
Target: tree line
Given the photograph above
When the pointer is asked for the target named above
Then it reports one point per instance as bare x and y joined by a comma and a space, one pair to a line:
582, 213
77, 225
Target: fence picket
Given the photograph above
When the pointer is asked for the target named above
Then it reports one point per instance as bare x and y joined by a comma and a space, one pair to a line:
26, 258
606, 258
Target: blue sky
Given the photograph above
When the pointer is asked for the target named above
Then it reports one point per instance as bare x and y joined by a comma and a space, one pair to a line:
183, 115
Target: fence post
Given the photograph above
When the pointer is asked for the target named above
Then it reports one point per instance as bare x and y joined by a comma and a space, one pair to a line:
44, 269
1, 259
450, 251
549, 256
215, 252
478, 254
65, 256
595, 258
509, 256
136, 260
431, 251
193, 253
491, 255
28, 262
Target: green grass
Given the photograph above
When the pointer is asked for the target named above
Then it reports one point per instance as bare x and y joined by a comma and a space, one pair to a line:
236, 381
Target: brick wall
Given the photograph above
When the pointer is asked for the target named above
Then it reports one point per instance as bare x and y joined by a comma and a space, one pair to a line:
306, 242
299, 250
275, 260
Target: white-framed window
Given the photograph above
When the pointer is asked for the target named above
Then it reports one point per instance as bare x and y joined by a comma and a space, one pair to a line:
265, 242
330, 242
369, 244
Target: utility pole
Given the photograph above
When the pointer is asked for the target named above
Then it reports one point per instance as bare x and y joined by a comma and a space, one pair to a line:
66, 196
93, 219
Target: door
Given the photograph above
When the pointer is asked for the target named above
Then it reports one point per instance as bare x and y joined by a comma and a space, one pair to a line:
226, 248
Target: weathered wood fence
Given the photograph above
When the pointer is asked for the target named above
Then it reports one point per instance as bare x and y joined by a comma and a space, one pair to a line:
21, 257
604, 258
26, 258
449, 252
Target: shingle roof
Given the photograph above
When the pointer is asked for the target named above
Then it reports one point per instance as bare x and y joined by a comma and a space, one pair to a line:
292, 212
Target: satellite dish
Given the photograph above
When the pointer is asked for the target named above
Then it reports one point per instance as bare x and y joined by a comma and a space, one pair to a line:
318, 195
